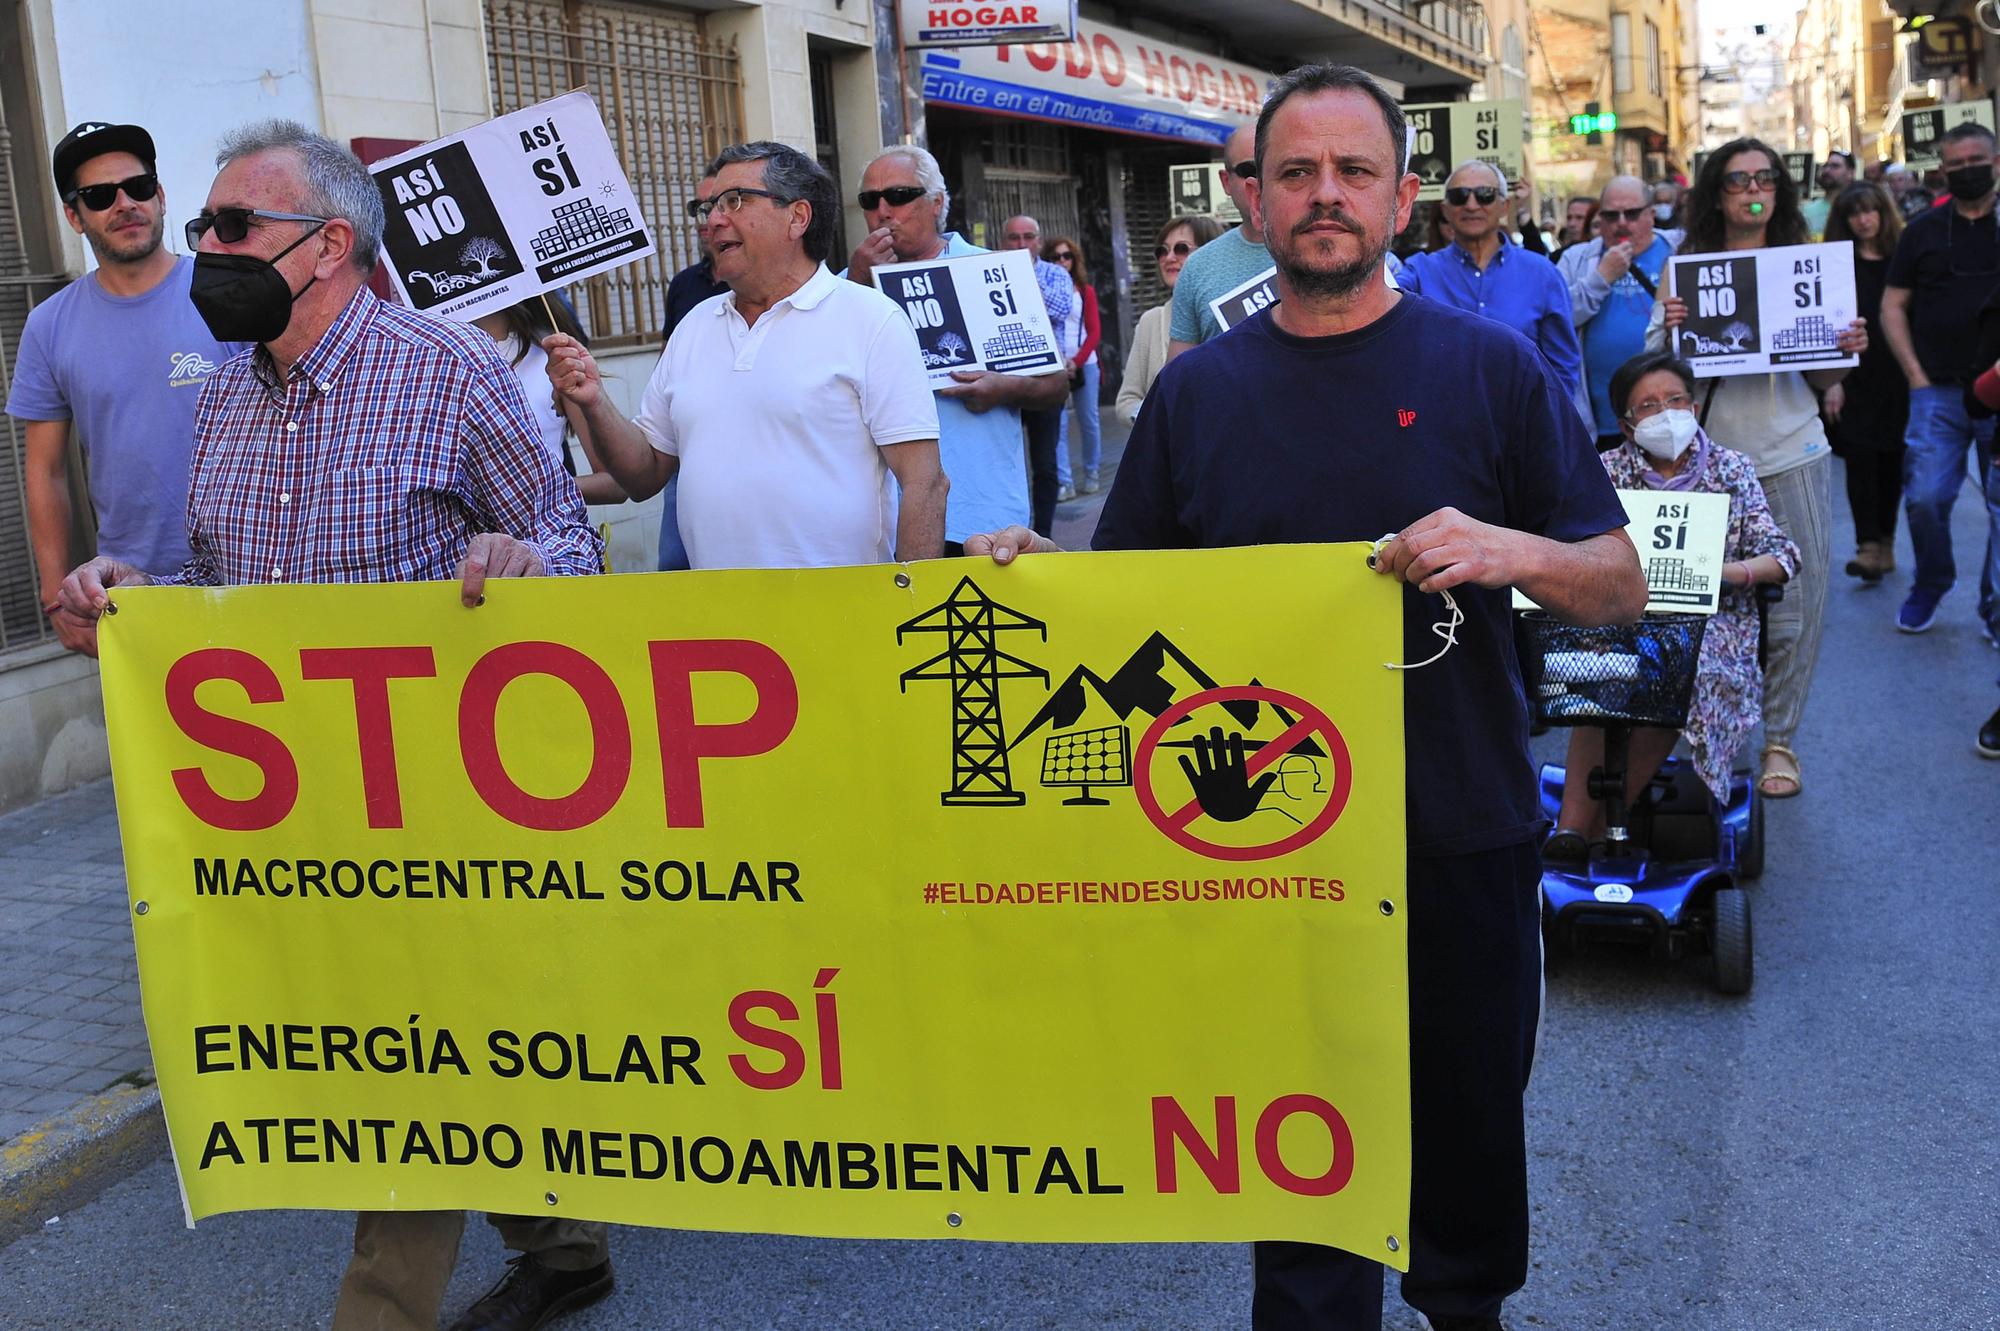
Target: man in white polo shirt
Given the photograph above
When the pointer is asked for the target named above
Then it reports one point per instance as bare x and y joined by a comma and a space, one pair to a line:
785, 404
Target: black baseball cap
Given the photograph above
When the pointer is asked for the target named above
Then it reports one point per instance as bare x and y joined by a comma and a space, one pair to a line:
93, 138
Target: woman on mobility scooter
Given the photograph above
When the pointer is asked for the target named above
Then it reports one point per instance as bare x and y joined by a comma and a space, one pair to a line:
1666, 449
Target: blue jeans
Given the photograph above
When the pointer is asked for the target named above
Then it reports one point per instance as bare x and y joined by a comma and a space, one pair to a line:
1085, 401
1933, 472
673, 550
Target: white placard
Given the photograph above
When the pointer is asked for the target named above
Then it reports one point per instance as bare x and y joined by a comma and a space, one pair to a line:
508, 209
1682, 538
1232, 307
929, 23
1444, 134
1197, 189
1763, 311
1924, 128
975, 312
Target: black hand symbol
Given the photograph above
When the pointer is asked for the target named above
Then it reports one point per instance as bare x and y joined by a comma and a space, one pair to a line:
1220, 782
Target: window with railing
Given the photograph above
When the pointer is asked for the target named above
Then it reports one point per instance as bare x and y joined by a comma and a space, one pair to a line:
671, 98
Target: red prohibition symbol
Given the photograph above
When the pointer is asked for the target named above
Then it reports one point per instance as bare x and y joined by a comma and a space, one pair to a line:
1311, 721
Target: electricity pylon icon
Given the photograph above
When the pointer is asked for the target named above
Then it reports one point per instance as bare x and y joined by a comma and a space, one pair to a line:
974, 665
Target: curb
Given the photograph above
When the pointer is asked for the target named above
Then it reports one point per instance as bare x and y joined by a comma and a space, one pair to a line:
66, 1160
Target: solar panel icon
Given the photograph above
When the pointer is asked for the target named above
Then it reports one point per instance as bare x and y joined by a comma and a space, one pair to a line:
1086, 758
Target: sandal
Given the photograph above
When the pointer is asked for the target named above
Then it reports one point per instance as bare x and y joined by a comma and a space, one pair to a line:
1780, 777
1566, 844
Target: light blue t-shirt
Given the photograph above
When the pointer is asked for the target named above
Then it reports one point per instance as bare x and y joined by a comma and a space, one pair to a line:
982, 454
1216, 269
1617, 332
127, 370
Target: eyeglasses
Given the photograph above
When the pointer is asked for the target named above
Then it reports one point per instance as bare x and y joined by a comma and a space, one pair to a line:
1735, 182
729, 201
1623, 214
99, 197
1458, 194
1678, 402
1063, 256
1245, 169
897, 195
1180, 250
233, 224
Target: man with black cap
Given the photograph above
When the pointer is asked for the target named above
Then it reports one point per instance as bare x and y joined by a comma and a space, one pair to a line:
123, 354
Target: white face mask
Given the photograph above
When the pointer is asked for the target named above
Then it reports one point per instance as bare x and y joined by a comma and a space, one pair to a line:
1666, 434
1662, 211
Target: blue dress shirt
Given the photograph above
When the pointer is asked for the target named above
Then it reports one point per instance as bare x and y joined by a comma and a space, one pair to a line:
1520, 289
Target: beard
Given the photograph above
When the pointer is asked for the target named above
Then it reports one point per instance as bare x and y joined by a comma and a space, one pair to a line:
1320, 275
130, 251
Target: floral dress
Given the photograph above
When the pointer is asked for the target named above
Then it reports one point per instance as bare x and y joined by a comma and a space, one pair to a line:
1729, 689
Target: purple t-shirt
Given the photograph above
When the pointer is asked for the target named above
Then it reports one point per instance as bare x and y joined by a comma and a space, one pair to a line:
127, 371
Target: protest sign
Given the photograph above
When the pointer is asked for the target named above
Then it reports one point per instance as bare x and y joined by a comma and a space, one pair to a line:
931, 23
1799, 166
878, 902
508, 209
1197, 189
1681, 536
1444, 134
1232, 307
975, 312
1758, 311
1924, 130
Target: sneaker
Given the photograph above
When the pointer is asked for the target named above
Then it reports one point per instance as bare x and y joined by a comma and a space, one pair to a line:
1088, 485
532, 1295
1068, 492
1919, 611
1988, 742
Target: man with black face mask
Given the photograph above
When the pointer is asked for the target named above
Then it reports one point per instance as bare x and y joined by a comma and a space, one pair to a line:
364, 442
1945, 268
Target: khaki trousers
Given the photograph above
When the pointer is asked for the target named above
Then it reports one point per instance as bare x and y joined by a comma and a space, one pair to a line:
403, 1260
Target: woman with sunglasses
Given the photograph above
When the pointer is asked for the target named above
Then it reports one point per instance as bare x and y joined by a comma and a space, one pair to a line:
1086, 331
1743, 199
1664, 448
1176, 241
1865, 414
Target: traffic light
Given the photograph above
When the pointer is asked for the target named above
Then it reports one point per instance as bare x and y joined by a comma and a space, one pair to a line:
1593, 124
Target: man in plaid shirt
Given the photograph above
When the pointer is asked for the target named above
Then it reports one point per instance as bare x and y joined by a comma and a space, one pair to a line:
363, 442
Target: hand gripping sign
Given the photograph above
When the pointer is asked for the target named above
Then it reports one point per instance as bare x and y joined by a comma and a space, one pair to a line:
1760, 311
943, 901
975, 312
508, 209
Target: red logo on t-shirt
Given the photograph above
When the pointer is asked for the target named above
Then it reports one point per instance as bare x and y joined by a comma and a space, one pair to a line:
1405, 417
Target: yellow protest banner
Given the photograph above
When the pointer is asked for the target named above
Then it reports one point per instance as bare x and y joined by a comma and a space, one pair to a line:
1055, 902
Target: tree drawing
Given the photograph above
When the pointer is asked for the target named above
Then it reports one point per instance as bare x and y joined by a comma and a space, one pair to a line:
1736, 335
482, 251
953, 346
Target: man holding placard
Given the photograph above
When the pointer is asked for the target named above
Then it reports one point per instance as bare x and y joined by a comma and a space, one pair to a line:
1613, 282
786, 405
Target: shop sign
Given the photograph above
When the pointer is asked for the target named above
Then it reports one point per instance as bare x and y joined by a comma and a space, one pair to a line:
928, 23
1105, 79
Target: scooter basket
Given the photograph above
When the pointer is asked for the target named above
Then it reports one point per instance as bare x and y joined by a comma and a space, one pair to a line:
1640, 674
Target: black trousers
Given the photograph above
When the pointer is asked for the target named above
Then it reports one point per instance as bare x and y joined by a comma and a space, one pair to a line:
1875, 492
1475, 1001
1043, 432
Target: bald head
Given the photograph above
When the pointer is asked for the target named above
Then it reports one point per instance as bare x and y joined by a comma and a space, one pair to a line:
1625, 214
1022, 233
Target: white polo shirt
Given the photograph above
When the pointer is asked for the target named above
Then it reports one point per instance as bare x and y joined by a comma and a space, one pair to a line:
778, 426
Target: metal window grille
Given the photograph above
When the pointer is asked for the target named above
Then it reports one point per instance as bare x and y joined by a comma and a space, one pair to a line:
1028, 171
671, 99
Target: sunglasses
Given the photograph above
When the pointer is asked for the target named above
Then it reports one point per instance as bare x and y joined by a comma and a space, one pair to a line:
1458, 194
233, 224
1245, 169
1063, 256
1623, 214
897, 195
1735, 182
1180, 250
97, 198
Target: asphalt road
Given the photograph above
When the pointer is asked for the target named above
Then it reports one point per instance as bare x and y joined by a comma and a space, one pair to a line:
1819, 1154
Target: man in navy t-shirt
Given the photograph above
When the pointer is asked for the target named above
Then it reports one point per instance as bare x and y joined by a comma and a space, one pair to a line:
1344, 412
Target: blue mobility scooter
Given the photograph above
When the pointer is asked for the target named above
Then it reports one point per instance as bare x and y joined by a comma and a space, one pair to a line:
1667, 874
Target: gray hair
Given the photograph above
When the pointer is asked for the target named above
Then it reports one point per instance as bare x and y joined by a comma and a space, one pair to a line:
336, 183
1498, 174
927, 171
792, 176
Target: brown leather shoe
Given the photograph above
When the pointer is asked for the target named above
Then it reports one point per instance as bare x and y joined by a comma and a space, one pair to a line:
1867, 562
532, 1295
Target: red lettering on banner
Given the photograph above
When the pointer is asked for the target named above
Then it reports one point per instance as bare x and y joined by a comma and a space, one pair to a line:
684, 742
371, 669
479, 744
1246, 93
1042, 55
1338, 1171
1218, 1164
1154, 70
1110, 60
1205, 87
791, 1054
240, 739
1076, 60
1183, 79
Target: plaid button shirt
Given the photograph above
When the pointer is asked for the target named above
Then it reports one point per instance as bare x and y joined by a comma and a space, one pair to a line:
391, 443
